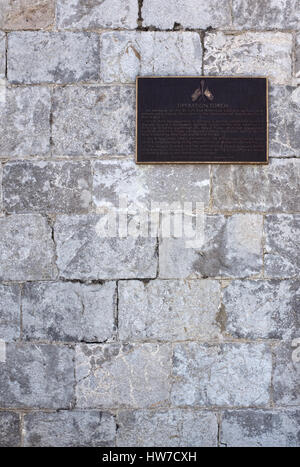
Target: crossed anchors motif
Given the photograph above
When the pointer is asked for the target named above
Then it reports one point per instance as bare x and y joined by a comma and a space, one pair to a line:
202, 92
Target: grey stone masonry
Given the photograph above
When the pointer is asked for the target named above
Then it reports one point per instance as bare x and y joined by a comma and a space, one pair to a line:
44, 186
286, 378
297, 64
10, 312
168, 310
9, 430
2, 55
260, 428
26, 248
169, 427
221, 375
68, 312
27, 14
69, 429
33, 57
37, 376
124, 55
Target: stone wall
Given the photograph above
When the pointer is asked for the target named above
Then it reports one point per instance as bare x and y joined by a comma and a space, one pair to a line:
136, 342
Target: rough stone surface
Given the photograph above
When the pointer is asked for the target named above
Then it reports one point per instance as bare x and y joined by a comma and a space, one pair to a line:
68, 312
262, 309
93, 121
249, 54
26, 248
25, 122
286, 378
260, 428
115, 375
97, 14
199, 14
26, 14
172, 428
44, 186
232, 248
37, 376
33, 57
274, 187
83, 253
2, 55
224, 375
282, 242
266, 14
10, 309
69, 429
124, 55
168, 310
144, 184
9, 430
297, 64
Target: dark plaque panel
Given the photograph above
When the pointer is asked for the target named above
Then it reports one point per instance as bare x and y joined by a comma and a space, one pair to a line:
208, 120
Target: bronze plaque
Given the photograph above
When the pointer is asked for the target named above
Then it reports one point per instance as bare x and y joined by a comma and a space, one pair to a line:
219, 120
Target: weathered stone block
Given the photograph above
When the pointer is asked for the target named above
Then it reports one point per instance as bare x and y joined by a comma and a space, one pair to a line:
93, 121
131, 375
33, 57
265, 14
97, 14
232, 248
249, 54
9, 430
68, 312
124, 55
83, 253
37, 376
10, 310
168, 310
286, 378
262, 309
47, 186
199, 14
69, 429
26, 14
260, 428
225, 375
25, 122
297, 65
169, 427
273, 187
2, 54
26, 248
282, 242
144, 184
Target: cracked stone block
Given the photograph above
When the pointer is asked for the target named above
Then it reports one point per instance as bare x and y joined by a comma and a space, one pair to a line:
83, 252
286, 378
249, 54
221, 375
262, 309
43, 186
124, 55
97, 14
93, 121
196, 14
115, 375
9, 430
273, 187
68, 312
26, 248
284, 124
33, 57
266, 14
37, 376
168, 310
297, 64
69, 429
25, 122
143, 184
27, 14
232, 248
282, 243
168, 427
10, 310
2, 54
260, 428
